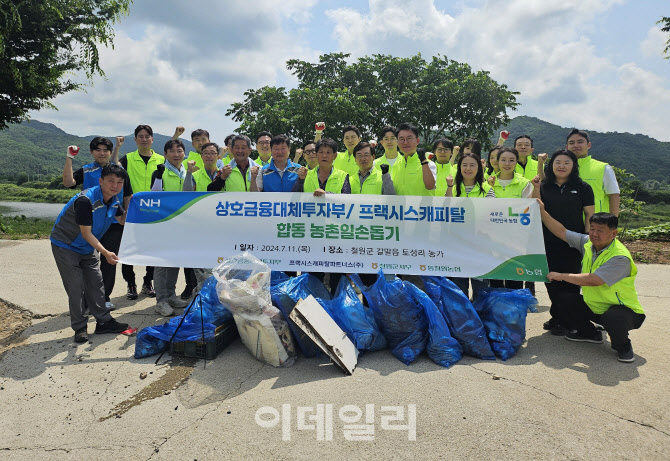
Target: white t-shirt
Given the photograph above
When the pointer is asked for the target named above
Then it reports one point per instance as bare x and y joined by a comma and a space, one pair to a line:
610, 186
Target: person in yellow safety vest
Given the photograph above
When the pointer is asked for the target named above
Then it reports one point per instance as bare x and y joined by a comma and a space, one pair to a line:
263, 148
140, 166
390, 145
599, 175
509, 184
469, 183
309, 152
169, 177
325, 178
345, 161
197, 179
413, 174
492, 167
370, 180
236, 176
309, 147
445, 158
607, 279
322, 180
527, 166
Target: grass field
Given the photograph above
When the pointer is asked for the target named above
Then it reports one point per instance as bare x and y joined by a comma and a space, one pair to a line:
20, 227
13, 193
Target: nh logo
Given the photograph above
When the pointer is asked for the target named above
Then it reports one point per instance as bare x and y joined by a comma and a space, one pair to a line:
150, 202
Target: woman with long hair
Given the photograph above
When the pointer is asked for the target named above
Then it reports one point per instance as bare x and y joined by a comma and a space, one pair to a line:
569, 200
469, 183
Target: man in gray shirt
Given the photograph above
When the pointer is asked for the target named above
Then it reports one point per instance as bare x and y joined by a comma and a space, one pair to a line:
608, 284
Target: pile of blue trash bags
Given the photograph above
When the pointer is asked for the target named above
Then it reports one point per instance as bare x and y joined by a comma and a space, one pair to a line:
440, 320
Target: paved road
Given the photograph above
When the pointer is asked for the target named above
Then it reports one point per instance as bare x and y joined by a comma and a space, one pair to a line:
555, 399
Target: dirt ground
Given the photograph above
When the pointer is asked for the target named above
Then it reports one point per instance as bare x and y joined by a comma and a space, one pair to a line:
649, 251
13, 320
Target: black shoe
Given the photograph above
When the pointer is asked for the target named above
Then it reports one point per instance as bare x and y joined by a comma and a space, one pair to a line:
627, 355
111, 326
595, 337
148, 289
187, 293
132, 292
81, 335
551, 324
559, 330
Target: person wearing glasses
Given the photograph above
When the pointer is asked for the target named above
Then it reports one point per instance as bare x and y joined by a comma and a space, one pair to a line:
140, 165
445, 157
412, 173
197, 179
308, 151
280, 174
263, 140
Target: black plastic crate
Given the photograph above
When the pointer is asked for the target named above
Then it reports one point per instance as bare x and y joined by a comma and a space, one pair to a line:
223, 336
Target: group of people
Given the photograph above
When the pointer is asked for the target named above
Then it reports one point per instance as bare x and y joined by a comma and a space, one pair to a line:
591, 275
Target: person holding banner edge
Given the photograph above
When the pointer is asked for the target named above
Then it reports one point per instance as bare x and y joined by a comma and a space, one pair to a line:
607, 279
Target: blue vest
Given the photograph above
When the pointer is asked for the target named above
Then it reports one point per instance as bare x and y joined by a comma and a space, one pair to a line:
92, 173
66, 232
273, 182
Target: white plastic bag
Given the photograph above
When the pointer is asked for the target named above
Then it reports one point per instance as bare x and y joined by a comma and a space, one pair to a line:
243, 286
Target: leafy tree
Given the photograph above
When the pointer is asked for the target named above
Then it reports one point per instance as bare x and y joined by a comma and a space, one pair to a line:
43, 43
441, 97
666, 28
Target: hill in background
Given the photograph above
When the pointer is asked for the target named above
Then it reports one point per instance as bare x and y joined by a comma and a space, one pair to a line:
36, 147
39, 148
641, 155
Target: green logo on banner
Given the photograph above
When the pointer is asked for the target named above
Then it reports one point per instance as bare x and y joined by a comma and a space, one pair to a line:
532, 268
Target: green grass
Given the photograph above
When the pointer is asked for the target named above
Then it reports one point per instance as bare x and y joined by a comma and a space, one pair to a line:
20, 227
13, 193
650, 215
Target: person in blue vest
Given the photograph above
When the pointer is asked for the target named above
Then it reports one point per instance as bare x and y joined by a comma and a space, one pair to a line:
75, 243
88, 176
607, 279
280, 174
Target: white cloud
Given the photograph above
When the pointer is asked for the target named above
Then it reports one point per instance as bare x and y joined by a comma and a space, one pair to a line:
654, 44
184, 65
539, 48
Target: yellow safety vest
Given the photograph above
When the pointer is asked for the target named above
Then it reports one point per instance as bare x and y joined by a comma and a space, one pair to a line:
592, 171
372, 185
346, 163
408, 177
443, 170
334, 183
513, 189
140, 172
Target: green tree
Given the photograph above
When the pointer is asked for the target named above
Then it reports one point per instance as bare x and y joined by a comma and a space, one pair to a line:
666, 28
441, 97
43, 43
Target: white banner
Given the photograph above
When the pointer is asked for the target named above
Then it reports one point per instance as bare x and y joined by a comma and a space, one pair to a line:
456, 237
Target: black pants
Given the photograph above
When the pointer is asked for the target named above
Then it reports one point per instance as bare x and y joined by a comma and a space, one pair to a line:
189, 276
618, 320
565, 260
129, 274
111, 240
511, 284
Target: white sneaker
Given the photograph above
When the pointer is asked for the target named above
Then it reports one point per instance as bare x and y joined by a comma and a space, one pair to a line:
176, 301
164, 309
110, 306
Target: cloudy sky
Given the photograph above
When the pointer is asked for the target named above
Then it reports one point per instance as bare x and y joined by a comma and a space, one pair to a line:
595, 64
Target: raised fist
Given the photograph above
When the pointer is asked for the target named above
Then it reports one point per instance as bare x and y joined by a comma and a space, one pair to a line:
373, 143
254, 171
179, 131
385, 168
191, 168
504, 134
225, 171
160, 169
536, 181
421, 153
302, 173
491, 180
450, 181
119, 141
542, 158
298, 154
320, 126
72, 151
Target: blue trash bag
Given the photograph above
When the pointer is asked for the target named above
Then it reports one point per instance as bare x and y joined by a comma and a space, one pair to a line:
285, 296
355, 320
503, 313
462, 318
401, 319
154, 339
442, 348
277, 277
